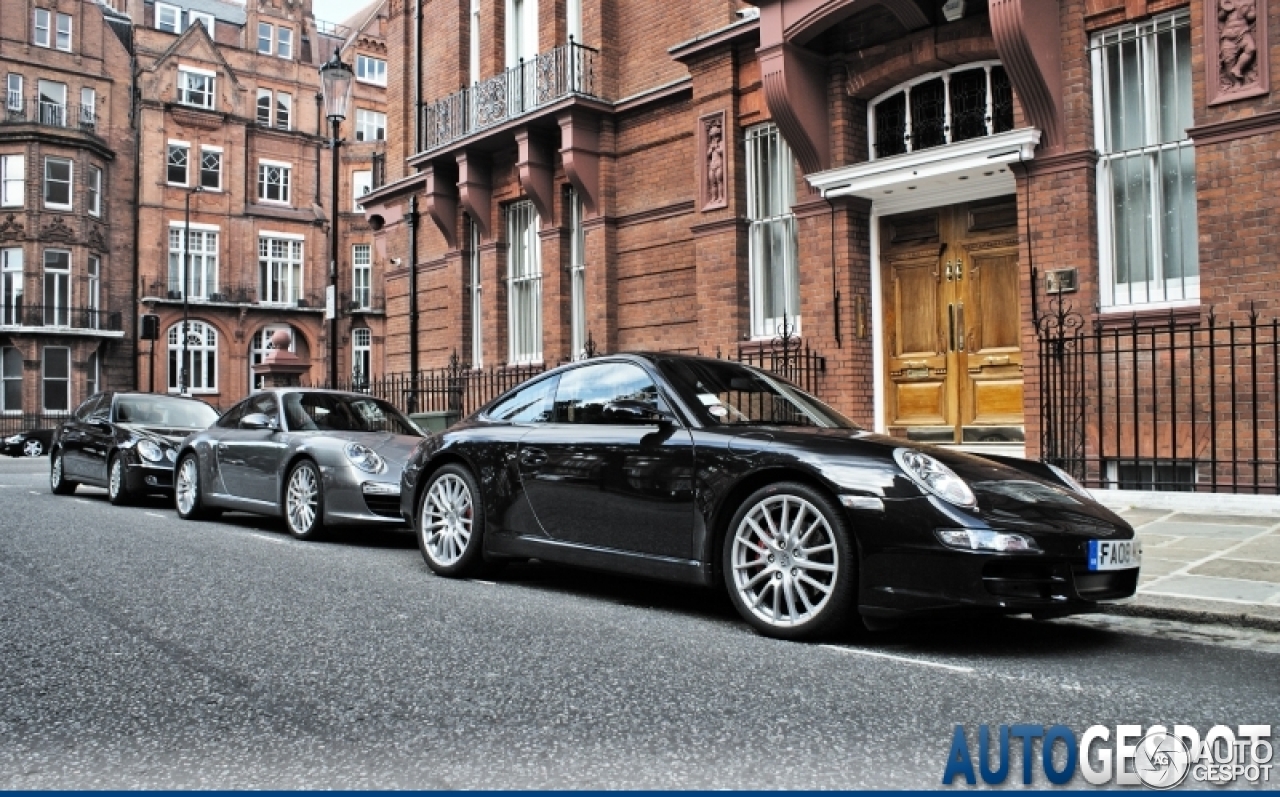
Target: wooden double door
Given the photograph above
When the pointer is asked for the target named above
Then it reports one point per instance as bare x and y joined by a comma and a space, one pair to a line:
952, 317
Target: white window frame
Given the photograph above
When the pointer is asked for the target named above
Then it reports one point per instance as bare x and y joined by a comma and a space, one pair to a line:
208, 149
524, 284
70, 183
13, 92
205, 243
161, 10
280, 277
45, 379
269, 106
267, 32
573, 20
284, 42
169, 150
13, 181
473, 52
362, 276
475, 276
284, 110
93, 291
371, 70
361, 184
770, 216
370, 125
56, 302
361, 357
204, 354
94, 191
7, 376
1158, 291
200, 16
92, 375
284, 181
522, 37
61, 36
577, 275
88, 106
42, 28
12, 285
53, 111
186, 92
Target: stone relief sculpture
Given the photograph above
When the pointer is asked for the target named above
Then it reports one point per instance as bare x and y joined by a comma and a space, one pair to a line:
1237, 45
714, 192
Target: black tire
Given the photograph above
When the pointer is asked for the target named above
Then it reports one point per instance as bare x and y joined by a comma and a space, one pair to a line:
117, 483
191, 500
450, 524
58, 483
786, 586
304, 523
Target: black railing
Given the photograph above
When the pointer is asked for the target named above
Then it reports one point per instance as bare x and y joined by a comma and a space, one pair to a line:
232, 293
379, 169
787, 356
456, 388
369, 301
49, 114
327, 28
1176, 403
11, 424
566, 70
60, 316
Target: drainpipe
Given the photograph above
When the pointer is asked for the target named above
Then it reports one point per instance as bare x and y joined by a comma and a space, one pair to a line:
413, 301
134, 114
417, 76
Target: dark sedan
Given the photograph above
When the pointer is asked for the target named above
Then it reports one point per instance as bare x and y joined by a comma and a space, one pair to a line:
32, 443
710, 472
125, 442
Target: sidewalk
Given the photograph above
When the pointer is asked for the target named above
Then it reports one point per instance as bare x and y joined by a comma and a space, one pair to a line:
1220, 568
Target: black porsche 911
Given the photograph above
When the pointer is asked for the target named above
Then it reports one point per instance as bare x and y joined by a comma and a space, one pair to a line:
125, 442
710, 472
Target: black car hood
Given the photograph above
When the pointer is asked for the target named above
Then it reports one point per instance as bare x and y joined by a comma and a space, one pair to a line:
1007, 496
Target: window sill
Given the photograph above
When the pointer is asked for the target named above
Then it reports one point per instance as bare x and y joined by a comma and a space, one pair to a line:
63, 208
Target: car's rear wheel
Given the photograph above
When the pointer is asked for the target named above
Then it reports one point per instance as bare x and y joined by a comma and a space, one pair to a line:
187, 496
58, 482
32, 448
450, 523
117, 485
790, 563
304, 501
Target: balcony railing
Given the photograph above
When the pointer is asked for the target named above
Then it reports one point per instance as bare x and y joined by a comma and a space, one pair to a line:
59, 316
233, 293
569, 70
48, 114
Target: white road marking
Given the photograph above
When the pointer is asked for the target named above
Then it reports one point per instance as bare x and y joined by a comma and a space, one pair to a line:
892, 657
35, 492
82, 501
482, 581
155, 514
268, 539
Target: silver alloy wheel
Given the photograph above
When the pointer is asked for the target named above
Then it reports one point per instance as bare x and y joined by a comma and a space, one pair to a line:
447, 515
55, 475
32, 448
184, 488
115, 479
301, 502
785, 563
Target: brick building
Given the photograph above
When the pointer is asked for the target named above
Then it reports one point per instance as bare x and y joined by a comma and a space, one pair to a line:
916, 187
66, 205
235, 152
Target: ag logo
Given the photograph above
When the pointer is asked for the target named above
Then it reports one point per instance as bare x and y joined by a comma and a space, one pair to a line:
1161, 760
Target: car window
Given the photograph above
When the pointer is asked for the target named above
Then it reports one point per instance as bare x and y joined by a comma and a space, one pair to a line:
310, 412
86, 409
528, 404
266, 404
585, 392
725, 393
231, 419
166, 411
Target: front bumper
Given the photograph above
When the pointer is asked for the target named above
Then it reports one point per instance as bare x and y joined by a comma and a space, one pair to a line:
353, 497
148, 478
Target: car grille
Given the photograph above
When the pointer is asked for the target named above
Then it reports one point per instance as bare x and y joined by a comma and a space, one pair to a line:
383, 505
1060, 581
1106, 585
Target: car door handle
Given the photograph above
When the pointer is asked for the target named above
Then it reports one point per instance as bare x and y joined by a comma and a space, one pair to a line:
532, 456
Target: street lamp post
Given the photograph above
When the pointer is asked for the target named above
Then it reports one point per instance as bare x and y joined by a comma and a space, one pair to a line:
335, 81
184, 383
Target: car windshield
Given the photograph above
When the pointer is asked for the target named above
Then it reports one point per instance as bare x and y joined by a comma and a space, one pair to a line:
726, 393
174, 413
313, 412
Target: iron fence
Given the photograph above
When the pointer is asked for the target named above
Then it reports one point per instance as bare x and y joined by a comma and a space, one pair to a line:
1176, 403
557, 73
60, 316
13, 423
50, 114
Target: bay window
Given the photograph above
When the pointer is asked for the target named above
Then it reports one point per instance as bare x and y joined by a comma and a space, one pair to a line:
279, 269
524, 284
775, 277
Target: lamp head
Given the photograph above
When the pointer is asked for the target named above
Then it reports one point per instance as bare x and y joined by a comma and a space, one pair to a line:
335, 82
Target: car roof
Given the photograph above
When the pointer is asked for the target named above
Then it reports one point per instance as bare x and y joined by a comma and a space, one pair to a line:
144, 394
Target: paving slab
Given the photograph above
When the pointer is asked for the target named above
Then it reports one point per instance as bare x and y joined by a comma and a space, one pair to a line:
1154, 566
1138, 516
1268, 572
1176, 529
1264, 548
1154, 540
1222, 589
1196, 548
1222, 520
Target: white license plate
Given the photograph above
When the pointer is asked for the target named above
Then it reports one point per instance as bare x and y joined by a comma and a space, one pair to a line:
1114, 554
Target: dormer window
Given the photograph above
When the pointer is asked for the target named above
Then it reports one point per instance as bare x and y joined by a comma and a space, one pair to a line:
172, 19
933, 110
195, 87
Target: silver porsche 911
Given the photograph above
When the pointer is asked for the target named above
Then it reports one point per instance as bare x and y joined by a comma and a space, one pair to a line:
316, 457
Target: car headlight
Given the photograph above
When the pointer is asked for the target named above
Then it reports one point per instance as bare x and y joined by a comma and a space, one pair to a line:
365, 458
150, 451
14, 440
987, 540
935, 477
1069, 480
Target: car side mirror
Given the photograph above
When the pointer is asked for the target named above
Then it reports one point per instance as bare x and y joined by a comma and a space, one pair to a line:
629, 411
258, 420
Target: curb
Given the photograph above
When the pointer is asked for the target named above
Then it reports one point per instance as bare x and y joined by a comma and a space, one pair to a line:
1198, 616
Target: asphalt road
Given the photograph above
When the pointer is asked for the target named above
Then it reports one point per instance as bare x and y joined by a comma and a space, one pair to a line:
139, 651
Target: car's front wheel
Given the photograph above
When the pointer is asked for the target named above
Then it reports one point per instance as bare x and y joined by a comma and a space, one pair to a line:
32, 448
450, 523
117, 485
790, 562
58, 482
304, 501
187, 496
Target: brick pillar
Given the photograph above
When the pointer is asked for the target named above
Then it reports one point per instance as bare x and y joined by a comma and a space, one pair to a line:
556, 291
493, 270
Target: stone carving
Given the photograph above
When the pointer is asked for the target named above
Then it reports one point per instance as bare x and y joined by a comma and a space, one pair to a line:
714, 162
97, 241
11, 229
58, 231
1237, 45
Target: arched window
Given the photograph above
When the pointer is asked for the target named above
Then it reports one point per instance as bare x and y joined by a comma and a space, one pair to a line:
261, 344
361, 357
969, 101
199, 352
